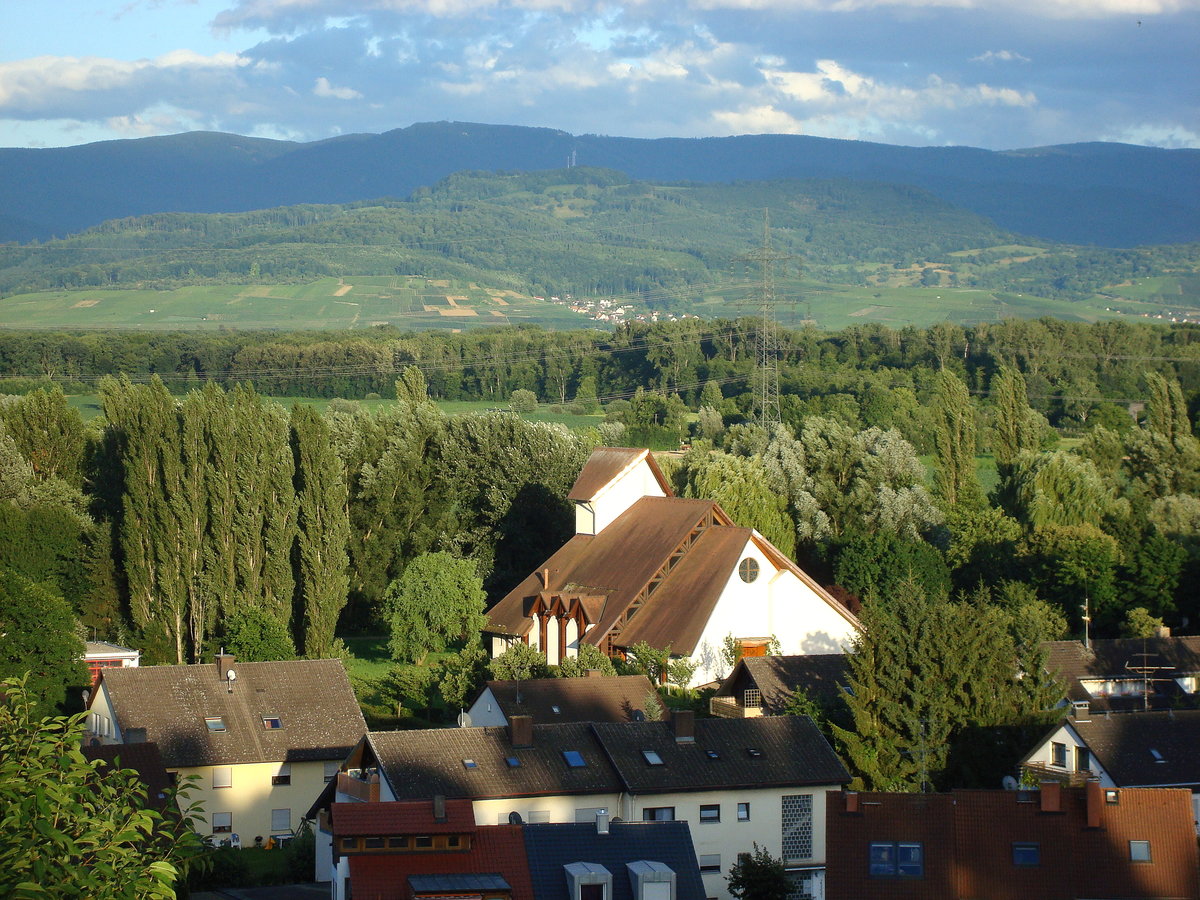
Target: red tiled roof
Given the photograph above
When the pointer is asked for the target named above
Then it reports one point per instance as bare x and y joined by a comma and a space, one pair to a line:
498, 849
400, 817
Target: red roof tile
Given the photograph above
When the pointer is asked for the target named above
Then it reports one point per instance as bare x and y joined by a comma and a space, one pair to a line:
400, 817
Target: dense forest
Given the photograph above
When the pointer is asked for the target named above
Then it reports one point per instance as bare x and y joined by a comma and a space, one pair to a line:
196, 512
593, 232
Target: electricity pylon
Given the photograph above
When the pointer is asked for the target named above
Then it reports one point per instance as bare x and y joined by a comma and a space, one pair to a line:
767, 343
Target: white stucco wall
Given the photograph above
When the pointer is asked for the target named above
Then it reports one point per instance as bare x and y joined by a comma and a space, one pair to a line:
486, 711
777, 604
617, 497
1044, 755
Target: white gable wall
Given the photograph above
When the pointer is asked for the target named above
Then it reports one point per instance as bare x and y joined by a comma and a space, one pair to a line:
486, 711
1043, 755
777, 604
593, 516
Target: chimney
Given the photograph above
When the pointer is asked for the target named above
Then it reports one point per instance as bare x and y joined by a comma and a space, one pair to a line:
683, 722
594, 673
1081, 711
224, 664
851, 801
1095, 801
545, 579
520, 731
602, 822
439, 808
1162, 631
1051, 797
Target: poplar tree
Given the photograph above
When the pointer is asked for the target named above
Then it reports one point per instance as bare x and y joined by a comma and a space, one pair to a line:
955, 480
323, 529
1017, 427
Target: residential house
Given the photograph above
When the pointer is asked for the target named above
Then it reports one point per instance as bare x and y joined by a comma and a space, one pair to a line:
646, 566
99, 655
1055, 843
765, 685
1122, 750
597, 698
144, 759
261, 739
1129, 674
737, 782
434, 849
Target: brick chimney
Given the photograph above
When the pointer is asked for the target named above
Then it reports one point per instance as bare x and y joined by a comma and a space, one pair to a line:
1095, 802
1051, 795
224, 664
851, 801
683, 722
520, 731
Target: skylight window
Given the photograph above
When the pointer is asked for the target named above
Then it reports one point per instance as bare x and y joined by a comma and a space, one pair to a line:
469, 764
574, 759
712, 754
753, 752
652, 757
272, 722
214, 723
1158, 757
512, 762
556, 710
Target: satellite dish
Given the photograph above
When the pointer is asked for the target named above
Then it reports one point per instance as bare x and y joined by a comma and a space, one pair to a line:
464, 719
231, 675
1008, 783
514, 818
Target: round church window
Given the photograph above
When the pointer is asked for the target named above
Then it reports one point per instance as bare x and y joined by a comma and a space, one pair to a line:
748, 569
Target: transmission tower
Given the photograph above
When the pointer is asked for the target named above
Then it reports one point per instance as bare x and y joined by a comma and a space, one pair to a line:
767, 343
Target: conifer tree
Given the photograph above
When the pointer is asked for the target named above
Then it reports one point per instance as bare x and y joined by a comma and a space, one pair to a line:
323, 528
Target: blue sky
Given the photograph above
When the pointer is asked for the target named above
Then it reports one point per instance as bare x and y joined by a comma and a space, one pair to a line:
998, 74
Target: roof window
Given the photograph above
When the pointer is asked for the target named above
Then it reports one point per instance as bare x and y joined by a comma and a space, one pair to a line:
652, 757
469, 764
712, 754
556, 710
1158, 757
512, 762
574, 759
272, 722
753, 752
214, 723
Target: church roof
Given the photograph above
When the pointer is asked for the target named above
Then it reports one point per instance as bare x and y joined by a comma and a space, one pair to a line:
605, 465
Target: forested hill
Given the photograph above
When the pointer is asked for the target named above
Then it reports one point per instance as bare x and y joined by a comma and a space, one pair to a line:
593, 232
1105, 194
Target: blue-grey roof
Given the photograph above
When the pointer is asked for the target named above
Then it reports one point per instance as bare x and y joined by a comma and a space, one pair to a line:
551, 847
465, 881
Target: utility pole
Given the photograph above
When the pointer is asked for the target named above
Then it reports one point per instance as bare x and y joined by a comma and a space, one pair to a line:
767, 342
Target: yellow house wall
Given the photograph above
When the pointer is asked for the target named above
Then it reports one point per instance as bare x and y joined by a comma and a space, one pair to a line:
252, 797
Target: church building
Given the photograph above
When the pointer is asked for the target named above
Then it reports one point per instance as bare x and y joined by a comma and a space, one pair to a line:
645, 565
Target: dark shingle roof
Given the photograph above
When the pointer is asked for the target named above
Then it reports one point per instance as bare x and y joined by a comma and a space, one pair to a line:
1175, 656
423, 764
610, 698
777, 677
1121, 743
550, 847
790, 751
319, 714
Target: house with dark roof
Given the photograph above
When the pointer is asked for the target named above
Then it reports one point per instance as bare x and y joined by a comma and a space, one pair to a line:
407, 850
261, 738
1145, 749
765, 685
144, 759
1129, 674
1055, 843
737, 782
645, 565
597, 698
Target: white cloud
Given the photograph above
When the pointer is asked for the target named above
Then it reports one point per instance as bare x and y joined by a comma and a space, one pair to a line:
757, 120
993, 56
324, 89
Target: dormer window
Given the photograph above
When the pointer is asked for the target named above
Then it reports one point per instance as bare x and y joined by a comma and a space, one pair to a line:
214, 724
588, 881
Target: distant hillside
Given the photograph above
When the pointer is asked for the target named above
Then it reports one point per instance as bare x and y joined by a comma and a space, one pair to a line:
1105, 194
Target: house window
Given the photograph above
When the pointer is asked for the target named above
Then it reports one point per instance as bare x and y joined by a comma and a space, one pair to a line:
272, 722
658, 814
803, 885
798, 826
215, 724
1112, 796
222, 822
710, 862
350, 843
281, 820
331, 770
452, 841
423, 842
748, 570
591, 892
1139, 851
1058, 754
896, 859
1083, 759
398, 843
222, 776
537, 816
752, 698
710, 812
743, 812
371, 843
1027, 854
284, 776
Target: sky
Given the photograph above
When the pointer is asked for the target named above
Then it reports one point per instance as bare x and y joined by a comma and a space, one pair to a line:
996, 74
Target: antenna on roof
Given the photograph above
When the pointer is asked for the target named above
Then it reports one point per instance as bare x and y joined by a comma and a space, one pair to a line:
230, 678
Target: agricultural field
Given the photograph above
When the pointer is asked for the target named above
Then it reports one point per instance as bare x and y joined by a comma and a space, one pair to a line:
328, 304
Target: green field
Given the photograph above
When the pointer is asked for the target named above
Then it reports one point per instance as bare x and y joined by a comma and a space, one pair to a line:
329, 304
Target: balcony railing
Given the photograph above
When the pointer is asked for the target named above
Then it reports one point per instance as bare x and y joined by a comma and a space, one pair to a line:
728, 708
358, 787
